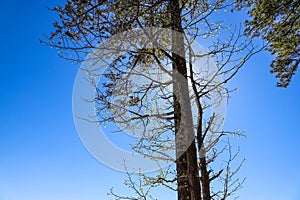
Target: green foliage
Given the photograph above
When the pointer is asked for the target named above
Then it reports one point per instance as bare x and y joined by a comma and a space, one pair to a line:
149, 105
277, 22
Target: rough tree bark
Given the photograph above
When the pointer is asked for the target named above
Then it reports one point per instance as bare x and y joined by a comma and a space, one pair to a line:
186, 164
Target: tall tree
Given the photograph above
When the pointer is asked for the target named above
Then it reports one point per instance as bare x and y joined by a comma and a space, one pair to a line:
277, 22
191, 131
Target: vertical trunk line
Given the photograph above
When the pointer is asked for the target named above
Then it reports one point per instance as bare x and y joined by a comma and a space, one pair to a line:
186, 165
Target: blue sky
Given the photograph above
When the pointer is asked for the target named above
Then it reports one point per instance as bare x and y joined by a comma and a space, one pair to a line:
41, 156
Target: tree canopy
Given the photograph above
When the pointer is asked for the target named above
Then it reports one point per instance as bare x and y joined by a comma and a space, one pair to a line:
277, 22
84, 26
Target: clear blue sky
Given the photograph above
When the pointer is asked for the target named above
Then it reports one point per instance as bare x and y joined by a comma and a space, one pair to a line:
42, 158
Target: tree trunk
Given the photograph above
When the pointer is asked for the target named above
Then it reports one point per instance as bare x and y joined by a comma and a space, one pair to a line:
204, 177
186, 164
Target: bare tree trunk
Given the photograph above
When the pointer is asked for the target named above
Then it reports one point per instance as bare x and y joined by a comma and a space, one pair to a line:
205, 181
187, 169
